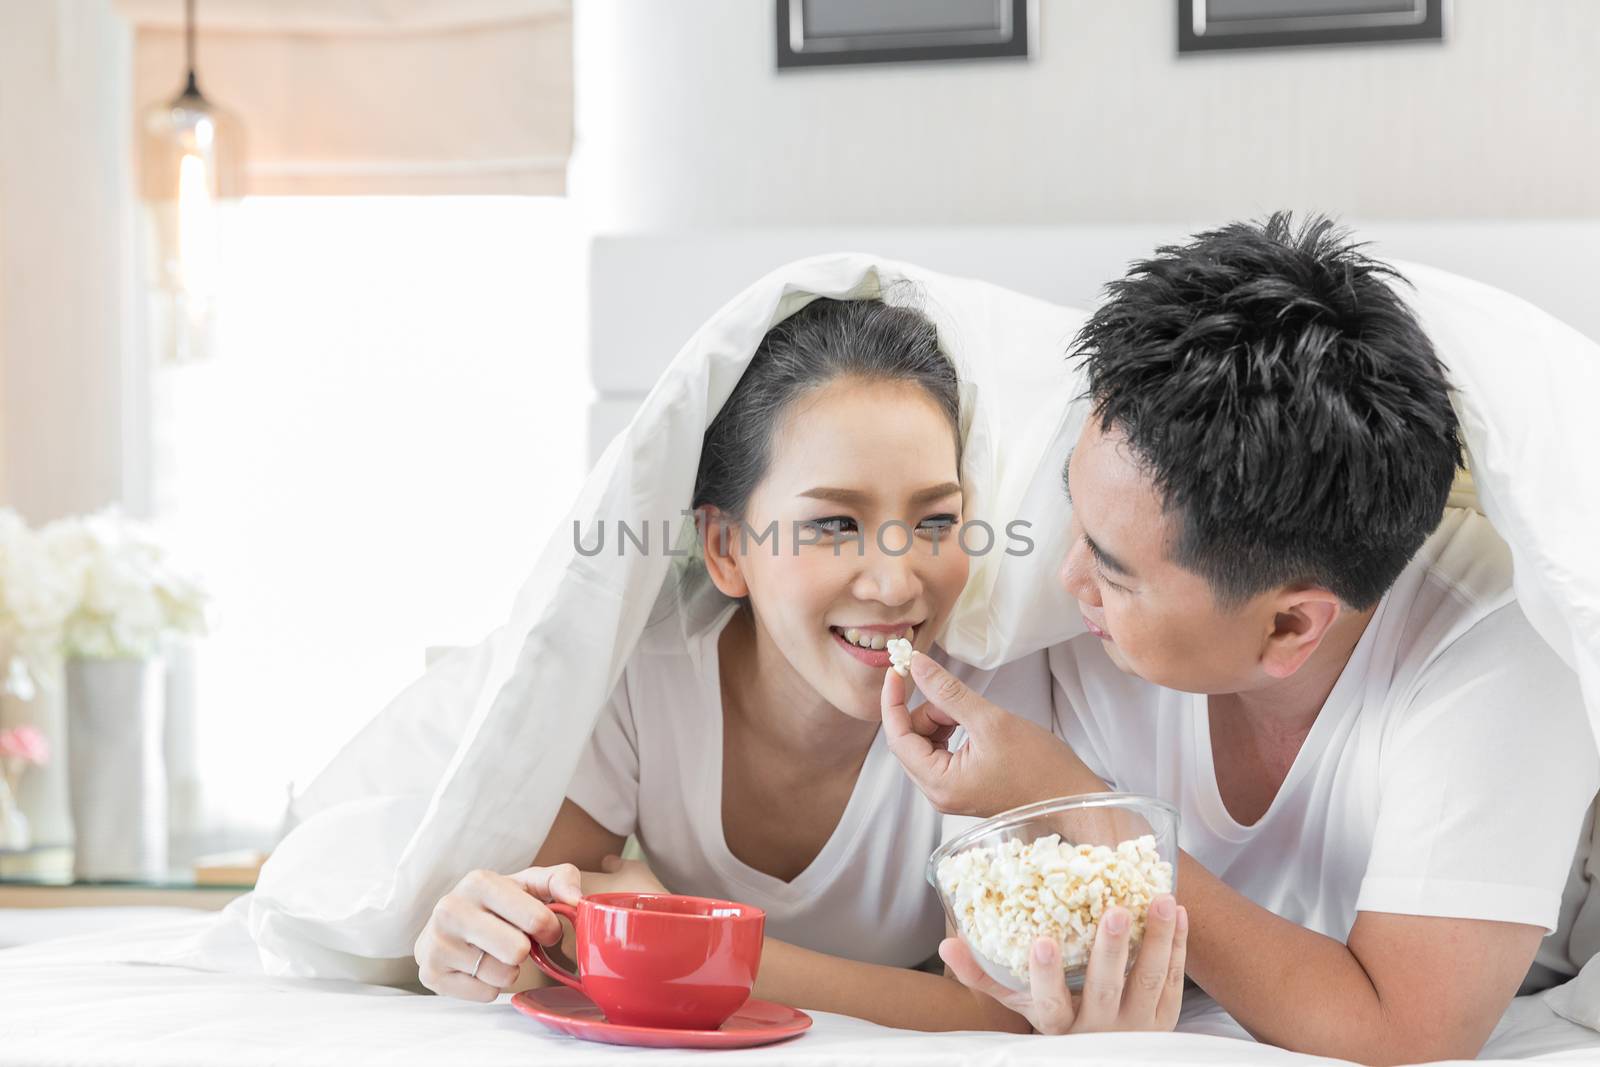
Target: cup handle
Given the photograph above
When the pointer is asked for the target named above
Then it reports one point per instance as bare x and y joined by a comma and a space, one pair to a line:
542, 958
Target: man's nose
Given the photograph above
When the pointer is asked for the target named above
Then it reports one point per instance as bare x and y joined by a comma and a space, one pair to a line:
1077, 574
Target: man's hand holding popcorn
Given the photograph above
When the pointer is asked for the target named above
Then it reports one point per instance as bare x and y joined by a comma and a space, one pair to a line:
1006, 762
1148, 997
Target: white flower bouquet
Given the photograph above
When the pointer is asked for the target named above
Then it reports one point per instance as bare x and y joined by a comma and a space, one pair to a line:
95, 587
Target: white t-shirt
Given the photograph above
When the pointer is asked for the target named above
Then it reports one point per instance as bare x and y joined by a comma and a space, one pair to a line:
654, 768
1447, 774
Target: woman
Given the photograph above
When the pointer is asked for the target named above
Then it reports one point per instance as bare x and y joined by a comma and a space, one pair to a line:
746, 755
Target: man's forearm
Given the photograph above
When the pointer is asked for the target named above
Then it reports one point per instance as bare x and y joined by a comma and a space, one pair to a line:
890, 996
1286, 985
1294, 988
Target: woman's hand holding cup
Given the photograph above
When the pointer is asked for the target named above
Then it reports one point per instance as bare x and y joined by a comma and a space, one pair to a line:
478, 936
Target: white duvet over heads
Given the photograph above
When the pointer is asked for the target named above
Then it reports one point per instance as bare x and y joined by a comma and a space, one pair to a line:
467, 767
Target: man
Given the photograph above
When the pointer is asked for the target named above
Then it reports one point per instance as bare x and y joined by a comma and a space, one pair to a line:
1381, 768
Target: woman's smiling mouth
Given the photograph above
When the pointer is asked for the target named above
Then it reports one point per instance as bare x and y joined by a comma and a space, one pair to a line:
868, 644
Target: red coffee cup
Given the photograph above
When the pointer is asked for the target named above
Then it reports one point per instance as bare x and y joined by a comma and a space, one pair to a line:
654, 959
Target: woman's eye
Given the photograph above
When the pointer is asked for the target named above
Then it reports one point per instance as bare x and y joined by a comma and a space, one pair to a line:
833, 524
937, 524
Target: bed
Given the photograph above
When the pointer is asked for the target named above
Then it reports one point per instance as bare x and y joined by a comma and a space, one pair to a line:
67, 997
67, 1000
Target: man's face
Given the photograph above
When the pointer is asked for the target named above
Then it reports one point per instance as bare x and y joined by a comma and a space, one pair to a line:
1157, 619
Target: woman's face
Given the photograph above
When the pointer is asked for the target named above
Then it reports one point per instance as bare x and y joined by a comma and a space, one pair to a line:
864, 497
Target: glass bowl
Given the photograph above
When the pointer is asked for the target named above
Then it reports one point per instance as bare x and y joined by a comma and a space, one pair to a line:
1003, 883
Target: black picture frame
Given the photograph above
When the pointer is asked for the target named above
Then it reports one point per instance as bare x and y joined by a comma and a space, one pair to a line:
1291, 27
797, 50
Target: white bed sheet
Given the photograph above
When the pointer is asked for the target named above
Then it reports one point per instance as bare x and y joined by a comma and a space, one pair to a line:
24, 926
69, 1002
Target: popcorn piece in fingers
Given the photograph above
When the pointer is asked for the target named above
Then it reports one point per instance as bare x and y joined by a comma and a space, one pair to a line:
900, 656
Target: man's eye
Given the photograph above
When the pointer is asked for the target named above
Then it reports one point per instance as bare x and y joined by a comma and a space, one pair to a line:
834, 524
1101, 572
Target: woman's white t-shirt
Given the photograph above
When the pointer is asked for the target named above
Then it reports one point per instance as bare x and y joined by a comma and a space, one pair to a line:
1447, 774
653, 767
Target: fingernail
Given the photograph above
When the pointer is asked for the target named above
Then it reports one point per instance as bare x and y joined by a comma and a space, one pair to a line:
1116, 922
1165, 907
1044, 951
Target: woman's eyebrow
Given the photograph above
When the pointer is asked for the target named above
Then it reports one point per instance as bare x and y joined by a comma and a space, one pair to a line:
857, 497
935, 492
853, 497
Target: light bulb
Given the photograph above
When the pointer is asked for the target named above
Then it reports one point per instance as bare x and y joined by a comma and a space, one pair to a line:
197, 228
190, 162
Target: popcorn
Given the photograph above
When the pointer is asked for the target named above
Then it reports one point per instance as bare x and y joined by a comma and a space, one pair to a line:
900, 656
1004, 898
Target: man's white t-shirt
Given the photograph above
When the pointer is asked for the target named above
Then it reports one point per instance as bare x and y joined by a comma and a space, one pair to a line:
1447, 774
653, 767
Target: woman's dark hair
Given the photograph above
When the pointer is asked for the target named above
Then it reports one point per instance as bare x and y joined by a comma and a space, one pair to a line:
1285, 402
823, 341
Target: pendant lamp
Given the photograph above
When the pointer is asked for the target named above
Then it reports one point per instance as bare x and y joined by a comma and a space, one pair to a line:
191, 165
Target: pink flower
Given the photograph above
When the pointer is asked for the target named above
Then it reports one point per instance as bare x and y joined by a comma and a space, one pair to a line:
24, 743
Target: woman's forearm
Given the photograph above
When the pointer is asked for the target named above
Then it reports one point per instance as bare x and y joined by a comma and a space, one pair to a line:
889, 996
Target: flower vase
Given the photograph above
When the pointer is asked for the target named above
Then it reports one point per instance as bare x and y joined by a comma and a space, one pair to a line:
14, 836
116, 771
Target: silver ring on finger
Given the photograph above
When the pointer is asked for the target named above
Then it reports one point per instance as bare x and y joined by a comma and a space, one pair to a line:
481, 953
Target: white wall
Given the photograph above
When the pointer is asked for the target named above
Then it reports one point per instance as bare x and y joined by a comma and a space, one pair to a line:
67, 317
683, 122
68, 322
650, 291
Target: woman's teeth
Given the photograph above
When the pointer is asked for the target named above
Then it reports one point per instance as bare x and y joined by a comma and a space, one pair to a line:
876, 640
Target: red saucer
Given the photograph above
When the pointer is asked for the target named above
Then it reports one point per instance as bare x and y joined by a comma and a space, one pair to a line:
759, 1022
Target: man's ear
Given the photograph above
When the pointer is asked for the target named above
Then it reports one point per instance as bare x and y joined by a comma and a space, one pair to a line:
1301, 620
719, 535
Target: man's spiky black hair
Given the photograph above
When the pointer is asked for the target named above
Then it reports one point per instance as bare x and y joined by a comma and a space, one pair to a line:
1284, 400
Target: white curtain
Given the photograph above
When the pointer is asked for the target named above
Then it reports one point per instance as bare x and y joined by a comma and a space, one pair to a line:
391, 97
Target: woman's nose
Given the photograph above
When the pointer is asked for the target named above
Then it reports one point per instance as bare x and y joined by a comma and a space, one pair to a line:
888, 578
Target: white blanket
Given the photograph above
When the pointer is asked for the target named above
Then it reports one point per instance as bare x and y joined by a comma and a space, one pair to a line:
466, 768
71, 1004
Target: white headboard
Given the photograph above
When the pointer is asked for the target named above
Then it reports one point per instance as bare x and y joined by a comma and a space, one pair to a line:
649, 292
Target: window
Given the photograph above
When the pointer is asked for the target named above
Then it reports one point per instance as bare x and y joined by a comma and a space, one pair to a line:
393, 426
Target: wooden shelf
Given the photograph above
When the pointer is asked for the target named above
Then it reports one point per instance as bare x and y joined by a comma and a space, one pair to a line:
41, 877
116, 895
